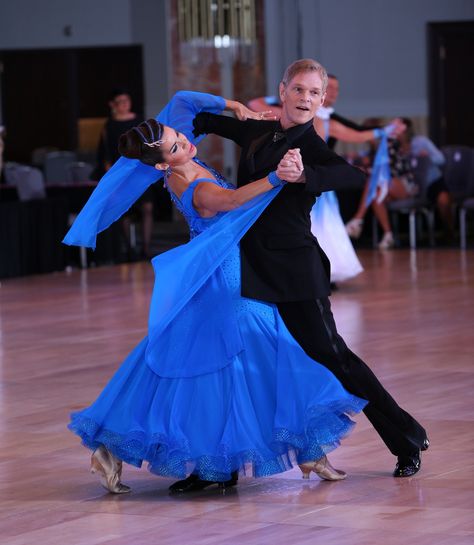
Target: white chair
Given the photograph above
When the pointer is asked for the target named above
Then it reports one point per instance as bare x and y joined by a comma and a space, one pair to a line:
79, 171
29, 181
56, 167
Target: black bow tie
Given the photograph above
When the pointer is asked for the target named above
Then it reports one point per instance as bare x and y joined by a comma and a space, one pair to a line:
278, 135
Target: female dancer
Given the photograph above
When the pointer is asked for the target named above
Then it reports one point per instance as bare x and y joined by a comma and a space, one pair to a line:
218, 385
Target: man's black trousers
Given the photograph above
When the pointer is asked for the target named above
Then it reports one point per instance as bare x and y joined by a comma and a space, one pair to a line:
312, 325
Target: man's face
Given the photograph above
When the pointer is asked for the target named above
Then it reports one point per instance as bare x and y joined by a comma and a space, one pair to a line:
300, 99
332, 92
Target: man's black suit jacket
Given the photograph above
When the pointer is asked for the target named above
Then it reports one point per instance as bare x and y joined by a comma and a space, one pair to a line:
281, 259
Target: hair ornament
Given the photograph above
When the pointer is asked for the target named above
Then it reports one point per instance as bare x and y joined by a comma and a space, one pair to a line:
156, 143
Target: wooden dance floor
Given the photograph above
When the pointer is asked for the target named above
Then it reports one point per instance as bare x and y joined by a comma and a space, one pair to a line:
409, 315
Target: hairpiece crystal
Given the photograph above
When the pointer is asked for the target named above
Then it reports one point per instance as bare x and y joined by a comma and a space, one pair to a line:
155, 144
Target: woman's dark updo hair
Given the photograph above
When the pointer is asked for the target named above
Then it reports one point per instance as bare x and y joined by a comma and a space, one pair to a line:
135, 143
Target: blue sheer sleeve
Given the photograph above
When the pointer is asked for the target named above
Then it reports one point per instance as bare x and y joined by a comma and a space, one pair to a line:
128, 179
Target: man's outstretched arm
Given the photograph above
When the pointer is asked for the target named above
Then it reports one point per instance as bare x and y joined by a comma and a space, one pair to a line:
229, 127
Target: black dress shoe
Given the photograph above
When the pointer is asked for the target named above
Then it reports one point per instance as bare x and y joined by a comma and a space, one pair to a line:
425, 445
407, 465
194, 484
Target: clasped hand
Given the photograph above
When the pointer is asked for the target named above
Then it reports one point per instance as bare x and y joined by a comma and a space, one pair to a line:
291, 168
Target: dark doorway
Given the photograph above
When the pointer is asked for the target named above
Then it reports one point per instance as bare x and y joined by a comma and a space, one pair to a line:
451, 83
45, 93
100, 70
38, 109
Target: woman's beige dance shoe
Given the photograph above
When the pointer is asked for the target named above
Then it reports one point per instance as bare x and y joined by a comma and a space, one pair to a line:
109, 469
323, 469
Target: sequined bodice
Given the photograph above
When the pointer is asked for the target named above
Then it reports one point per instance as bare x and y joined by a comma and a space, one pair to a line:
196, 223
231, 265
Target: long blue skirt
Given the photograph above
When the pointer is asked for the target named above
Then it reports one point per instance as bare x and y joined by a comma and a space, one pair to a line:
268, 408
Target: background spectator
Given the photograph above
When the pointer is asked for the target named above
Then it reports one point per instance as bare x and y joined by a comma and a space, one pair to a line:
121, 120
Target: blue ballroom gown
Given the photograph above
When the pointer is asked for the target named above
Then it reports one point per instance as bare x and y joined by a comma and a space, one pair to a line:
218, 384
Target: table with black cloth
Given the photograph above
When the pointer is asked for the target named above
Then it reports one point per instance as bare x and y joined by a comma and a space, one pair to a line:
31, 231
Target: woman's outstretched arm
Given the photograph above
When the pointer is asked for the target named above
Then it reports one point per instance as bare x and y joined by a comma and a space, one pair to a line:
209, 198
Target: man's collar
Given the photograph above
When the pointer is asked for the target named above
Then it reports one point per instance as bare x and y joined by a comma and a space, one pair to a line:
293, 133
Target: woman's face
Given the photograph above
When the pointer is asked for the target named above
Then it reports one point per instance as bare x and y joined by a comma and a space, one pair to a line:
176, 148
121, 104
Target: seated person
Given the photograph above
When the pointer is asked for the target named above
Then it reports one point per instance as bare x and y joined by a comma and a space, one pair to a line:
437, 192
402, 186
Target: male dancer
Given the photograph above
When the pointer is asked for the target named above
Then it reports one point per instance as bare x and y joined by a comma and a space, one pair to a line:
282, 262
272, 104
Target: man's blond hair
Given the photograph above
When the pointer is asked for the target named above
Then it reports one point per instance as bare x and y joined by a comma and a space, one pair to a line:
305, 65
